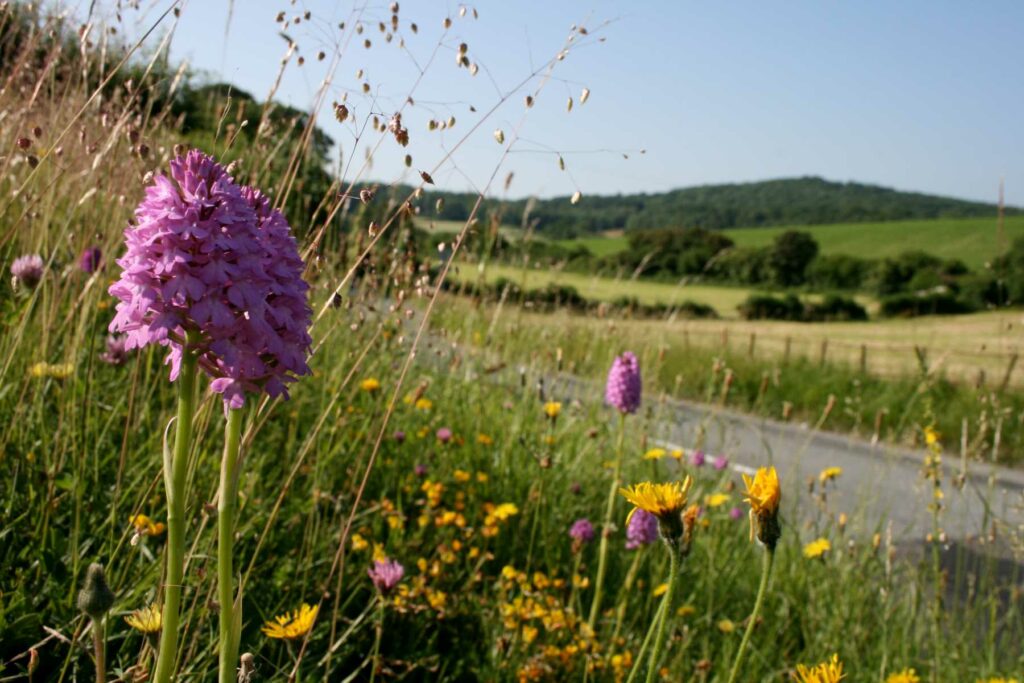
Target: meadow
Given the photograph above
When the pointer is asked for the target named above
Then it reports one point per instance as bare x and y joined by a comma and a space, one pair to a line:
432, 498
975, 241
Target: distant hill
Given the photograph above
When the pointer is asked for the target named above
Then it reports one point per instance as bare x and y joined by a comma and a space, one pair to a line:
790, 201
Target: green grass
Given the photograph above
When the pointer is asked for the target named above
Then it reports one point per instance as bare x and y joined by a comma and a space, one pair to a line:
972, 240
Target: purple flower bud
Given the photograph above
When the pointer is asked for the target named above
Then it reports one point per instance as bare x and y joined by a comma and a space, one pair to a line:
420, 470
642, 529
622, 391
444, 435
399, 436
214, 261
736, 513
697, 458
90, 260
116, 353
28, 270
721, 462
385, 574
575, 488
582, 531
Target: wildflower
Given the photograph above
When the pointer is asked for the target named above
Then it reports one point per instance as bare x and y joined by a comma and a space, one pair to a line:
289, 626
420, 470
51, 370
763, 495
655, 454
735, 513
116, 353
582, 532
697, 458
424, 404
716, 499
370, 385
664, 501
399, 436
829, 473
444, 435
931, 437
502, 512
146, 620
386, 574
817, 548
905, 676
28, 270
553, 409
826, 672
144, 526
484, 440
623, 388
90, 260
726, 626
359, 543
642, 529
660, 590
676, 453
720, 462
214, 263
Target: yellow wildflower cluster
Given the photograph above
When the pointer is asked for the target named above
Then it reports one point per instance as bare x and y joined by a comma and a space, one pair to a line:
826, 672
51, 370
144, 526
817, 548
905, 676
291, 625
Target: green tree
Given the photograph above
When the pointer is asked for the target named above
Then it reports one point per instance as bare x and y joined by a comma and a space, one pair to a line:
792, 252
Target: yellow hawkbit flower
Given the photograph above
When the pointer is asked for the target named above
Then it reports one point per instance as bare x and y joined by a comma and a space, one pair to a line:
655, 454
826, 672
359, 543
716, 499
146, 620
553, 409
829, 473
905, 676
289, 626
931, 437
370, 385
763, 495
676, 453
817, 548
424, 404
664, 501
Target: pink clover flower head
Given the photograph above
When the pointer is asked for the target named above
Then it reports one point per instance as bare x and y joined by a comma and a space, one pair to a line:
214, 263
386, 574
28, 270
622, 391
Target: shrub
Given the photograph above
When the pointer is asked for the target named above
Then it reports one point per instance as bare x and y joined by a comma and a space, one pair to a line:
934, 302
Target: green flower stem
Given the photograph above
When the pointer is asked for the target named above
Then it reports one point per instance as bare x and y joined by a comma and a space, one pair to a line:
666, 608
99, 642
174, 480
375, 662
766, 570
595, 606
226, 499
647, 641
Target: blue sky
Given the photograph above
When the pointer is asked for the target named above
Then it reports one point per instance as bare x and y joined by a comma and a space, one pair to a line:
921, 95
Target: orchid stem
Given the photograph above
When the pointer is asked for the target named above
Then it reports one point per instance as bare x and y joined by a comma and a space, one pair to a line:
595, 607
226, 499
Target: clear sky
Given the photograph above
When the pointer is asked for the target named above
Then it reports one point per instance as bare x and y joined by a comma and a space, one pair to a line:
923, 95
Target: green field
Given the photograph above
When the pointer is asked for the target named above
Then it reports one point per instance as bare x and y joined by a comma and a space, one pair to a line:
972, 240
722, 298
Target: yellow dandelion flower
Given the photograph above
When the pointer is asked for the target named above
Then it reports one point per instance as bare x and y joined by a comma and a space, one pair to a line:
289, 626
905, 676
826, 672
370, 385
817, 548
655, 454
763, 495
146, 620
553, 409
829, 473
716, 500
664, 501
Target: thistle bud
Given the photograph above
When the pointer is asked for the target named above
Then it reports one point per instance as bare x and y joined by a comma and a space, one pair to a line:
95, 598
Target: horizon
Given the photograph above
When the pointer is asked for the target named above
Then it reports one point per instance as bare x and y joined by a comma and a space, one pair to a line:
909, 98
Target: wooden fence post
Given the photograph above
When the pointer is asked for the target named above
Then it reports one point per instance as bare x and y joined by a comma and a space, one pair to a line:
725, 338
753, 341
785, 354
824, 351
863, 359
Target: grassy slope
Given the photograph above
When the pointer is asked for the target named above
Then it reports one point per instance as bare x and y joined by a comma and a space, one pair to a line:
972, 240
